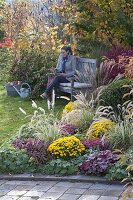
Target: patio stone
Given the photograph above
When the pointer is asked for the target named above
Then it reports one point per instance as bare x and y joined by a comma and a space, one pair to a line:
28, 198
51, 183
7, 187
3, 192
16, 193
24, 187
82, 185
94, 192
34, 194
2, 182
9, 197
115, 193
116, 187
98, 186
65, 184
41, 188
108, 198
89, 197
69, 196
58, 189
75, 191
51, 195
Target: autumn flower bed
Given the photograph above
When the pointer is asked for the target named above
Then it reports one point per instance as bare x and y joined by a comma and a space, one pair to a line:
52, 146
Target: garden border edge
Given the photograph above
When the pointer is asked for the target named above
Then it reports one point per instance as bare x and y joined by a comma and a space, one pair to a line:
70, 178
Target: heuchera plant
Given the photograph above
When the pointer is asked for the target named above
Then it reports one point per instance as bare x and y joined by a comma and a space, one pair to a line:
92, 143
98, 162
101, 144
37, 149
66, 128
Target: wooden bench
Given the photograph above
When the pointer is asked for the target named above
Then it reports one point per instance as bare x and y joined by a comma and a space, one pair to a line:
78, 83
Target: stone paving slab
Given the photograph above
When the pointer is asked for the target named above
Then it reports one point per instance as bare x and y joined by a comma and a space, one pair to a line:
2, 181
7, 187
59, 190
89, 197
69, 197
9, 198
107, 198
75, 190
92, 192
3, 192
16, 193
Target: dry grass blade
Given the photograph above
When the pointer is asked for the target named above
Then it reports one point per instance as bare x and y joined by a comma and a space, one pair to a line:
88, 76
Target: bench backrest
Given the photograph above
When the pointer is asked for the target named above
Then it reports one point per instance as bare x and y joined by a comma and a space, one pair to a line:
86, 68
83, 63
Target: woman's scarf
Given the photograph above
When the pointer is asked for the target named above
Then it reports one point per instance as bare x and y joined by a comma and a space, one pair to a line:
64, 60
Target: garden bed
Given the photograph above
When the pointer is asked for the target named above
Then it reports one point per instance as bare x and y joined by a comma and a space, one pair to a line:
80, 143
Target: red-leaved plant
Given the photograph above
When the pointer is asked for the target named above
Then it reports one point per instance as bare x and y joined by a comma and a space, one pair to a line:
98, 162
35, 148
100, 143
66, 128
114, 53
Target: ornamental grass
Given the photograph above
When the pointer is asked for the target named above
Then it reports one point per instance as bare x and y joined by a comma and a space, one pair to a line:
80, 118
66, 147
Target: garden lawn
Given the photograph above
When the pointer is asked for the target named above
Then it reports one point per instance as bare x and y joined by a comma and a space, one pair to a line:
11, 118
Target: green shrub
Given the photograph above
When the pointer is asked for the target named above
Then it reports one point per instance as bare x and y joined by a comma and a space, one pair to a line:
59, 166
62, 167
117, 172
6, 58
13, 160
33, 67
113, 94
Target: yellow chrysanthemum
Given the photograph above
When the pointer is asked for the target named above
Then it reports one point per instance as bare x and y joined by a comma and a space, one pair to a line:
68, 108
66, 147
100, 128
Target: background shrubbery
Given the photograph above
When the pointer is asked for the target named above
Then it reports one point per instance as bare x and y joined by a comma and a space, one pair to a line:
6, 59
113, 94
33, 67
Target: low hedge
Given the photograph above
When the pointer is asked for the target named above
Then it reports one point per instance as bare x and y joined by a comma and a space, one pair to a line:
113, 94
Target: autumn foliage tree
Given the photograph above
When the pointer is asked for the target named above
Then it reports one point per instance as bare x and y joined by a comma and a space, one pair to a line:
106, 21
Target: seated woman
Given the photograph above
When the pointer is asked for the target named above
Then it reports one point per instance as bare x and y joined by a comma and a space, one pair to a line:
65, 69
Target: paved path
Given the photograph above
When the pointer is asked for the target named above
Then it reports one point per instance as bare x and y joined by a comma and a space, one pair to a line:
52, 190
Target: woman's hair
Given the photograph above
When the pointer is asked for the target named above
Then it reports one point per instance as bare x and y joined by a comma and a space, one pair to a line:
67, 48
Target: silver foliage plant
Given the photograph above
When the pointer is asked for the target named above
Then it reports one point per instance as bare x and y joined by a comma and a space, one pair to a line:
124, 112
89, 101
44, 125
